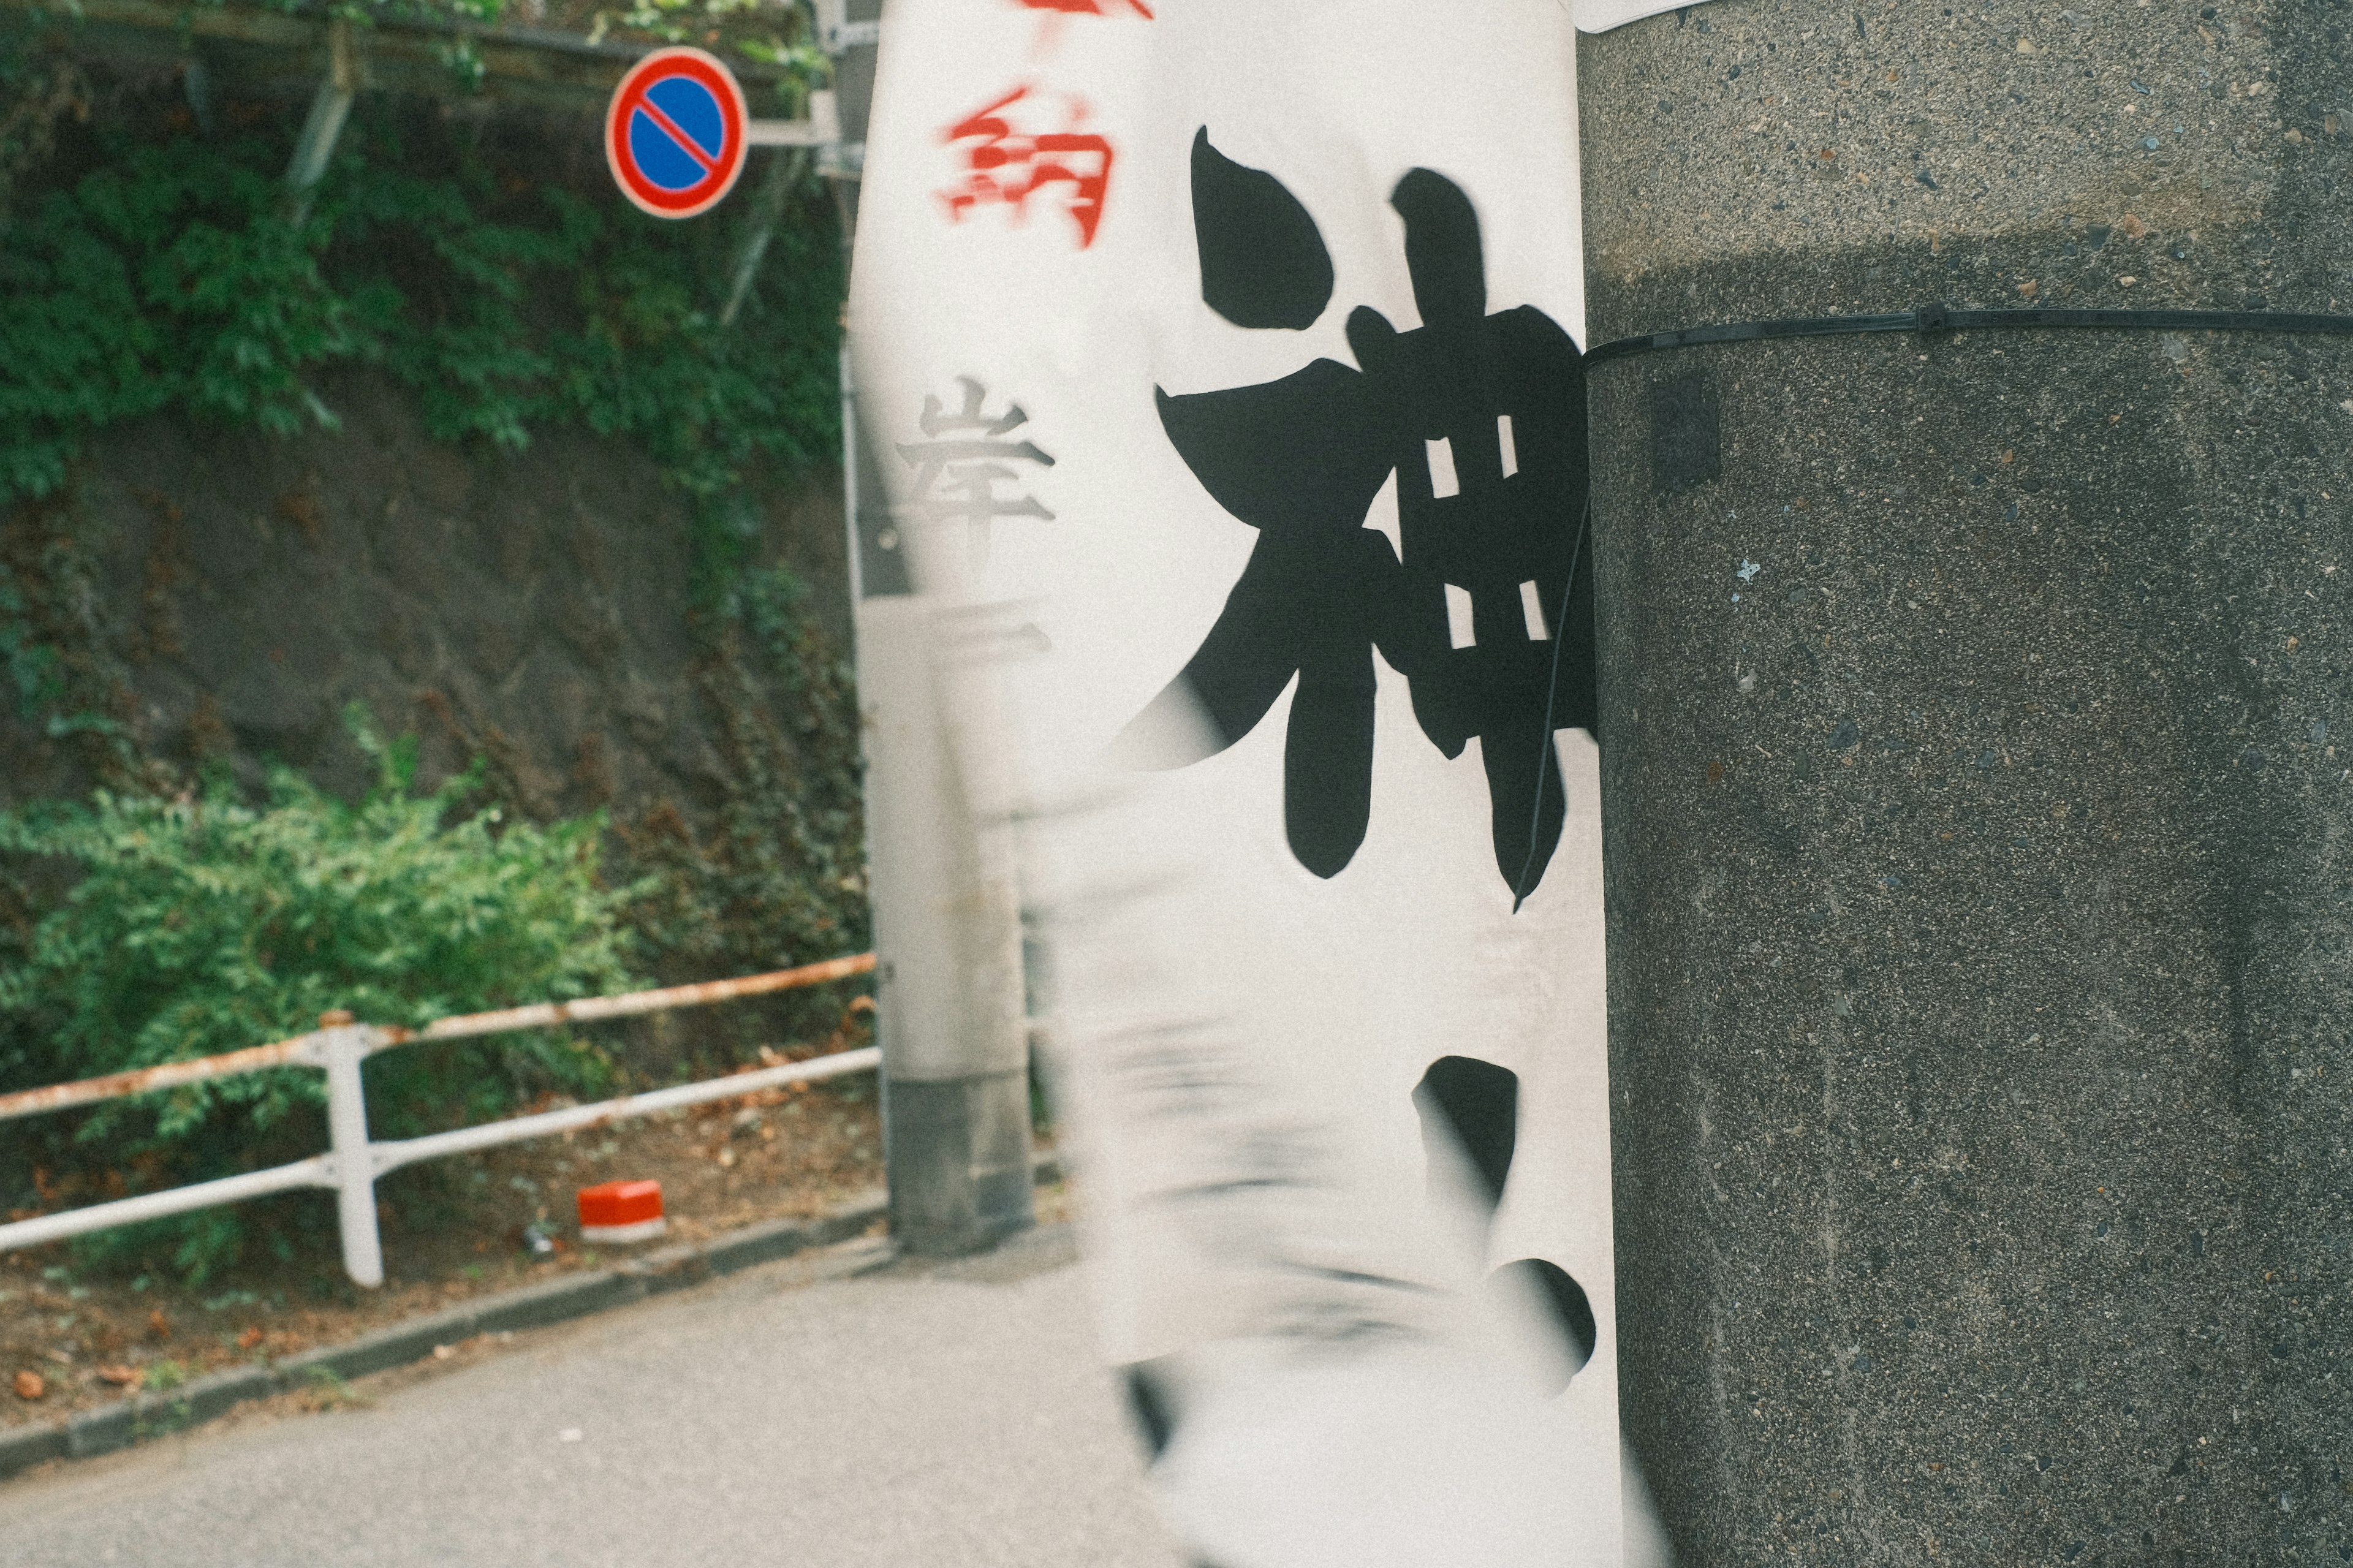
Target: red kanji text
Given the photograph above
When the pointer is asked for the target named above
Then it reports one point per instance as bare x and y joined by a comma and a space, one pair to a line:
1090, 7
1005, 165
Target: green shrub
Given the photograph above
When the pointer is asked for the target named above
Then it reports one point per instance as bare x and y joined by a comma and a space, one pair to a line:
199, 925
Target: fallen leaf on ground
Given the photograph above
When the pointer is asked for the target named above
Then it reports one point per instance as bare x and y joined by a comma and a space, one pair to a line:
30, 1384
120, 1376
250, 1338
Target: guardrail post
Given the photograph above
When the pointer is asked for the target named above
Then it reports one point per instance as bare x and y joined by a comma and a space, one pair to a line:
341, 1049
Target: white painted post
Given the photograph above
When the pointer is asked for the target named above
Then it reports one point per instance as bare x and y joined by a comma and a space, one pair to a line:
341, 1049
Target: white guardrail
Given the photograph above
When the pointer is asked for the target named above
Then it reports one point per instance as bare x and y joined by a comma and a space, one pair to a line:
352, 1163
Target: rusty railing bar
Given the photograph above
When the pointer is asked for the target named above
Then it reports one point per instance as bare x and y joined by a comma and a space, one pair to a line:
597, 1009
301, 1051
305, 1050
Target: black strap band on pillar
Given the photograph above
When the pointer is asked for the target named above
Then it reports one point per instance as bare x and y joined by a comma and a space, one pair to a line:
1931, 320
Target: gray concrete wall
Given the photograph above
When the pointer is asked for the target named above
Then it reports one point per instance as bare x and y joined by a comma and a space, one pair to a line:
242, 588
1981, 896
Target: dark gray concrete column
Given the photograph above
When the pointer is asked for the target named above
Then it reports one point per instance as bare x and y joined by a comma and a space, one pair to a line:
1977, 716
959, 1161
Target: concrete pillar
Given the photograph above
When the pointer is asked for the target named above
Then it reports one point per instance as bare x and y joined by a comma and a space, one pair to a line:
950, 1010
1977, 729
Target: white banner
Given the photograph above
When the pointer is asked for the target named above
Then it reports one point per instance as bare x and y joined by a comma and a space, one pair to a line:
1600, 16
1218, 356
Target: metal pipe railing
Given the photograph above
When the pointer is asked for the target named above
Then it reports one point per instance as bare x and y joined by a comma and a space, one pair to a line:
318, 1171
352, 1163
573, 1117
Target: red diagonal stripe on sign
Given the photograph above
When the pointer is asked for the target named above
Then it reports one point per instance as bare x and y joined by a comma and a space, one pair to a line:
640, 103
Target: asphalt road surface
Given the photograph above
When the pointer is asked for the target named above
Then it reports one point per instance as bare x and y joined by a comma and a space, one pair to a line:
803, 1414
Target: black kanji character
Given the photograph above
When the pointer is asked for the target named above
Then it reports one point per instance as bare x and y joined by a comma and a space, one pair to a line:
1473, 1109
1486, 614
1470, 1112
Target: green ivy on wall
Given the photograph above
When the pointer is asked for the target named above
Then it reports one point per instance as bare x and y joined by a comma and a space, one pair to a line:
172, 276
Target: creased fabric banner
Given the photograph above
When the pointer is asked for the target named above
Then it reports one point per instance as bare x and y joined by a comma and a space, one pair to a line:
1219, 359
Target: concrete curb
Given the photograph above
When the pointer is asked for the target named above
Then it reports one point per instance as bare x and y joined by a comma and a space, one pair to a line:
156, 1414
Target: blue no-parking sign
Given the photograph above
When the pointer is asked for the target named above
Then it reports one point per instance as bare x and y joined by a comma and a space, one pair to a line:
675, 132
